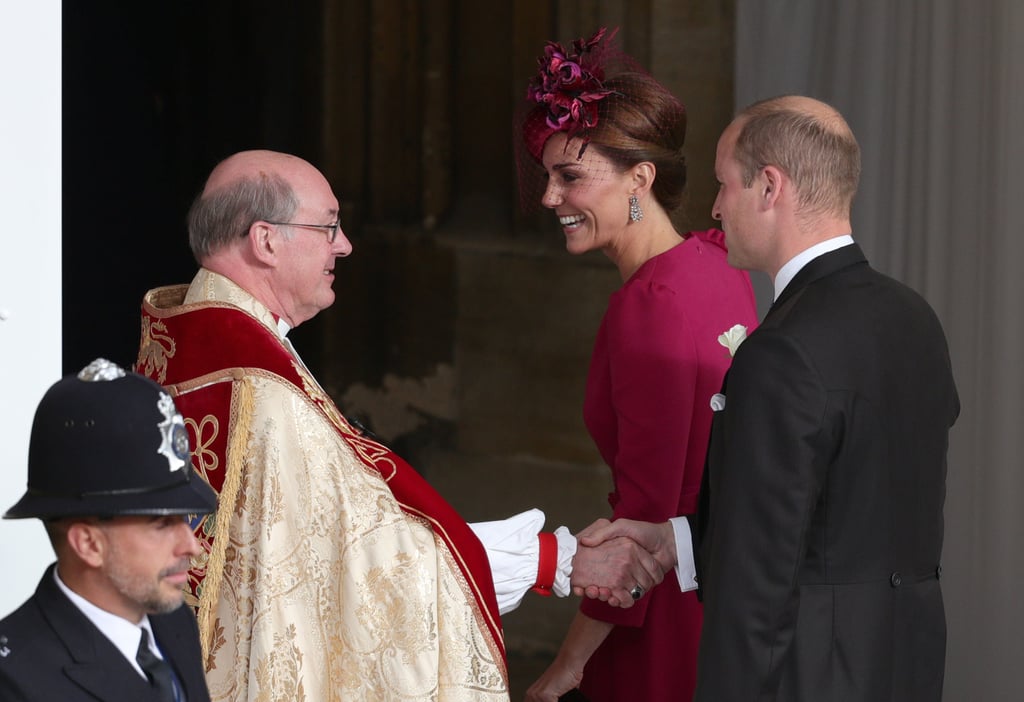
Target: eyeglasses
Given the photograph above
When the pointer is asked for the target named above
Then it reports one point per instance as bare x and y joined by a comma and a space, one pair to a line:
332, 229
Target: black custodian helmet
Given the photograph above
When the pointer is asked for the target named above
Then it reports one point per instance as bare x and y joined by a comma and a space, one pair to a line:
105, 443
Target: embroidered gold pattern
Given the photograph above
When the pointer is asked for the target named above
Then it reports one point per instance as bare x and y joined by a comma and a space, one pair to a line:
204, 461
371, 451
319, 548
205, 432
154, 349
319, 585
281, 669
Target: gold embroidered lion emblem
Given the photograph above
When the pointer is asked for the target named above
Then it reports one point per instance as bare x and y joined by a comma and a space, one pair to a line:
155, 349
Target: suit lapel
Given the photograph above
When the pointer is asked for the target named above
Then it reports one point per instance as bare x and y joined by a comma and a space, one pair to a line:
96, 665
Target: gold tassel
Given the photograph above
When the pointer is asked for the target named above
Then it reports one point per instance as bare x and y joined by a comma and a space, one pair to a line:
242, 406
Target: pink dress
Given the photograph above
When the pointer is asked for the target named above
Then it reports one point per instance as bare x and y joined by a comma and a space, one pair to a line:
656, 363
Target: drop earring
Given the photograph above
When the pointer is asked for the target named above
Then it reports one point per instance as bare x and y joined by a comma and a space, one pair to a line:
635, 213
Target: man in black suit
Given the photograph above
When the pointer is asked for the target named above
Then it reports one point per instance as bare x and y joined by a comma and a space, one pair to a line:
110, 476
819, 532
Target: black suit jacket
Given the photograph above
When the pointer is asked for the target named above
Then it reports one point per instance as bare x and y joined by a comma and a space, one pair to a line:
50, 651
820, 528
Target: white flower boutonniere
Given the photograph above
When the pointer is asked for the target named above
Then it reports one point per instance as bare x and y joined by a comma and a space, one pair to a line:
733, 338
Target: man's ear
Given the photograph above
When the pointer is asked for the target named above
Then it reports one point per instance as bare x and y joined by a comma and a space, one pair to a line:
88, 542
263, 240
771, 181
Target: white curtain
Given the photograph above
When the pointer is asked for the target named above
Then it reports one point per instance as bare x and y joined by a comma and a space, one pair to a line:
934, 91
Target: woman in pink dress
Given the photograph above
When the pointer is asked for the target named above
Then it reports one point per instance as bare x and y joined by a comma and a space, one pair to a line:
609, 139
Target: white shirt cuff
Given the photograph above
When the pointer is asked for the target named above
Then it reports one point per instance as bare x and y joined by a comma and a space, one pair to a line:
686, 569
514, 553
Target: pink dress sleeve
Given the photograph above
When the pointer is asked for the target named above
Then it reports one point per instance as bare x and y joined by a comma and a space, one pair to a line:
641, 412
653, 371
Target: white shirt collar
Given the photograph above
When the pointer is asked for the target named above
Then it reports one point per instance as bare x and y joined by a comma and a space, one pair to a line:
283, 327
793, 265
121, 632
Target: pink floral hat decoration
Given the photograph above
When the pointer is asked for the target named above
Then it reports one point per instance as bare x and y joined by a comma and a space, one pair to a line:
568, 88
591, 94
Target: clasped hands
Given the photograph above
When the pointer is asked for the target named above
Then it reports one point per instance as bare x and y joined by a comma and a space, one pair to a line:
614, 557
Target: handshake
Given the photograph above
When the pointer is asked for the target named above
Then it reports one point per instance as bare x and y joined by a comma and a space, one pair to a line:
617, 562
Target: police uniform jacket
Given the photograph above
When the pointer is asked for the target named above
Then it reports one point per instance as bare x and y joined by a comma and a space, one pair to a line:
49, 650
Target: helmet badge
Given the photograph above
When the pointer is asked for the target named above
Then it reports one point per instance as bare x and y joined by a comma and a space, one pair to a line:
174, 436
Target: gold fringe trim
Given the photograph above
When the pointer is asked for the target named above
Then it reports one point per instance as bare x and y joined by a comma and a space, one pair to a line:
242, 406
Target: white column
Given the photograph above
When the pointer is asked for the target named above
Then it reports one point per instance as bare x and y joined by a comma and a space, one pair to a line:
30, 266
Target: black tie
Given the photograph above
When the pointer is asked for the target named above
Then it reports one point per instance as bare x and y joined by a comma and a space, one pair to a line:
156, 669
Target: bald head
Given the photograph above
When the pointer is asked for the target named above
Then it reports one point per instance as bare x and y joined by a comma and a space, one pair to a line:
245, 188
242, 189
252, 164
821, 111
269, 222
810, 142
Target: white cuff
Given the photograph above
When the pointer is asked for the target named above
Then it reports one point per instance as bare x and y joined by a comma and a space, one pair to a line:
514, 553
566, 552
686, 570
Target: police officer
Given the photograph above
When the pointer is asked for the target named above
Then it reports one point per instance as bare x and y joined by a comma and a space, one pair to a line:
110, 477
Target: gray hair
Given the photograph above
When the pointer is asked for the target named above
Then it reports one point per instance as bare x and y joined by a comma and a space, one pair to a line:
216, 218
